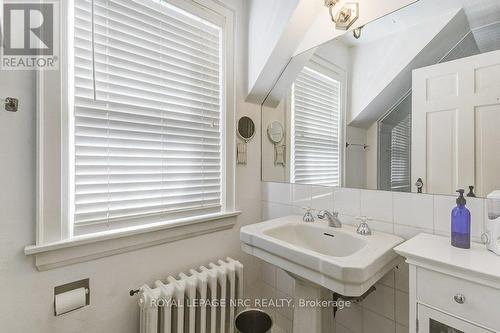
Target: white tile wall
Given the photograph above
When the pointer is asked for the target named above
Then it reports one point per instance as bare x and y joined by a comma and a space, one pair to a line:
346, 201
377, 205
301, 196
322, 198
373, 322
414, 210
381, 301
404, 214
351, 318
402, 308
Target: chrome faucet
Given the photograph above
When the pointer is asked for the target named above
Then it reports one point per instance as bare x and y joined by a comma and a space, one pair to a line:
333, 219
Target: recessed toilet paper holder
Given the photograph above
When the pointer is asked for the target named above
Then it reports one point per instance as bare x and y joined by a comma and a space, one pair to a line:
68, 287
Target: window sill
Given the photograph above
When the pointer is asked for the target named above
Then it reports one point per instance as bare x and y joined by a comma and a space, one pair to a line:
94, 246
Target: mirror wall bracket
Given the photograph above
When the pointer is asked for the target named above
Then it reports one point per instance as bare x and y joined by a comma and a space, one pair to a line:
246, 132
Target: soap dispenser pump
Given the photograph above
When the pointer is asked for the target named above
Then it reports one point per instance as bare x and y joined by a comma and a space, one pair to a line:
460, 223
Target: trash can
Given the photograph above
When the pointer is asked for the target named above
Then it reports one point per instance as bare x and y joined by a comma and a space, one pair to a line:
253, 321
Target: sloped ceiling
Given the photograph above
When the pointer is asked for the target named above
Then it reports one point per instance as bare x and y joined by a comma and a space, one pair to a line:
280, 29
381, 69
479, 18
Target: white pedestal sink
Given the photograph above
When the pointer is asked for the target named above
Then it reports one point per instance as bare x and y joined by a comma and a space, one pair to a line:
317, 255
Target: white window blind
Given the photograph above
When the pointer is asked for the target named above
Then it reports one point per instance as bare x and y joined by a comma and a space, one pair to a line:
400, 155
147, 131
316, 123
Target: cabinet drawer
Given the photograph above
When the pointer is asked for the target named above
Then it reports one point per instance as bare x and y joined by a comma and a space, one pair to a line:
480, 303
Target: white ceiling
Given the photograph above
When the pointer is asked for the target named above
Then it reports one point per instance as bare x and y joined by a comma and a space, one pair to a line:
480, 13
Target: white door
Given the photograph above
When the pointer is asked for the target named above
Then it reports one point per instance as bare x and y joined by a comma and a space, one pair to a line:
456, 125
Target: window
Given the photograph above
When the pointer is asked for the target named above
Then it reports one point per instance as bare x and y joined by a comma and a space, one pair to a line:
132, 132
147, 114
400, 156
316, 128
394, 142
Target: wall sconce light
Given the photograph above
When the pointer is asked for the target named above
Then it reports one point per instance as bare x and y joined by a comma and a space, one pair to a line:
346, 16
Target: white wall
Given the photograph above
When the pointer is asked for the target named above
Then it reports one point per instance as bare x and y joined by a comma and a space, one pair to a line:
372, 157
27, 295
381, 69
276, 29
267, 20
355, 158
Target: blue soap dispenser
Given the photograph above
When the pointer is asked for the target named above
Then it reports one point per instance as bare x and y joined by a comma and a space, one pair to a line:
460, 223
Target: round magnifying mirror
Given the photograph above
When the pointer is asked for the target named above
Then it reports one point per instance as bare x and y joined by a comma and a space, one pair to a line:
275, 132
246, 128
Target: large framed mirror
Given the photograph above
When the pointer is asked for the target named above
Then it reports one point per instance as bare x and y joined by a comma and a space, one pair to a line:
409, 103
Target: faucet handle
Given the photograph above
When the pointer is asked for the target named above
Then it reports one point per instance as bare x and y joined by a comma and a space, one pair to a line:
308, 216
363, 228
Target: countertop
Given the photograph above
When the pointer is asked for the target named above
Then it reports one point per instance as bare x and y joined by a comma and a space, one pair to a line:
437, 251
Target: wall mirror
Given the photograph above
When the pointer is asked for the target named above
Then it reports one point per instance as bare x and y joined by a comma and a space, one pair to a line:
275, 132
413, 95
246, 128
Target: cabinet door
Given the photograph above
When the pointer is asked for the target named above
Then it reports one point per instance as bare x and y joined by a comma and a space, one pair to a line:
433, 321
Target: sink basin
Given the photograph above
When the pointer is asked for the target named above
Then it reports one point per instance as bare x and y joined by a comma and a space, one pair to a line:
335, 258
329, 242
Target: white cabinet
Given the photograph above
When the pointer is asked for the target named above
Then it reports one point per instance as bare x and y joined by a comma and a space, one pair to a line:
452, 290
434, 321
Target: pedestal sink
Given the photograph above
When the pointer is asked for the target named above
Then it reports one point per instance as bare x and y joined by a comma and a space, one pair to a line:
317, 255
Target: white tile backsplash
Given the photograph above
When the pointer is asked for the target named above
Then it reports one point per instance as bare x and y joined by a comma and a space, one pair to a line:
404, 214
301, 195
381, 226
348, 219
277, 193
407, 232
377, 205
346, 201
322, 198
414, 210
271, 210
